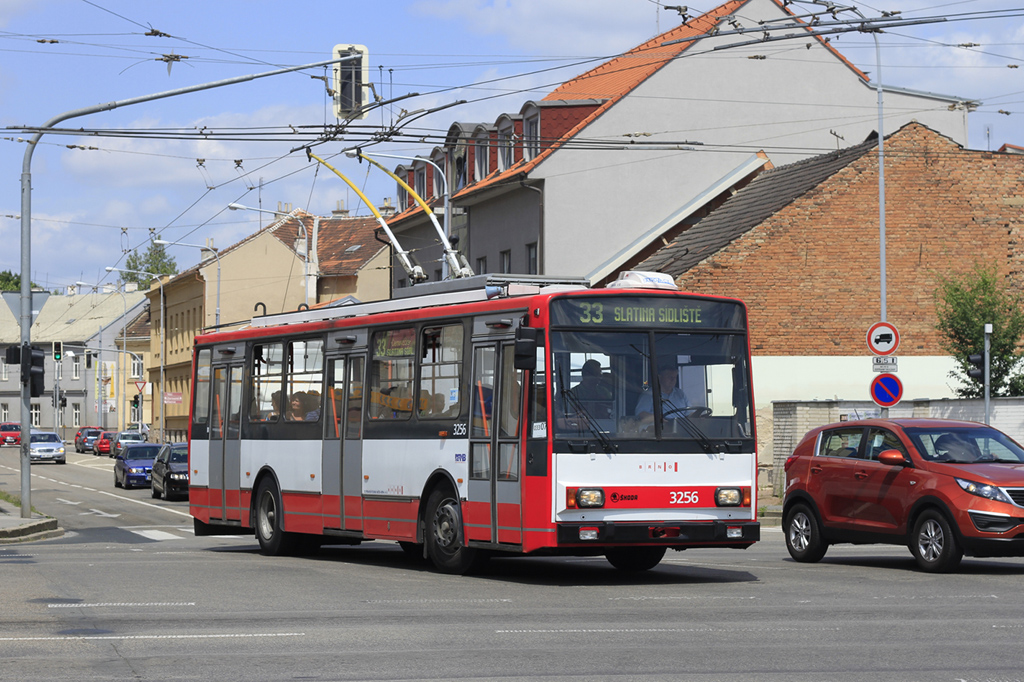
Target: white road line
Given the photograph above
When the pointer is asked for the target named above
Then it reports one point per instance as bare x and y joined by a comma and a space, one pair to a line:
157, 535
89, 606
69, 638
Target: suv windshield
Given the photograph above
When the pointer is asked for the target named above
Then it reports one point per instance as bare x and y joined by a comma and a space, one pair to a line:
965, 445
650, 386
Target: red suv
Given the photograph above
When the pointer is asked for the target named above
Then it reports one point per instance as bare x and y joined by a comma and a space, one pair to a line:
10, 433
943, 488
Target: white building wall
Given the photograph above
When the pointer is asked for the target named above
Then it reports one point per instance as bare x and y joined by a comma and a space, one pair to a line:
787, 105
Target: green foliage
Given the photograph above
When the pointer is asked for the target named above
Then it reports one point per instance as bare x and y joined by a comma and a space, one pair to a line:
10, 281
964, 304
155, 260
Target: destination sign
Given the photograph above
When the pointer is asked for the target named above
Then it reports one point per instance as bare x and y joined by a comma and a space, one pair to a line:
653, 311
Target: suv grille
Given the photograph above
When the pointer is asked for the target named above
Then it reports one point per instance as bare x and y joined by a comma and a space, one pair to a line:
1017, 495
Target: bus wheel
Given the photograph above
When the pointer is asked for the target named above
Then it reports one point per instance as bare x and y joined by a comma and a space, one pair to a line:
634, 558
445, 545
270, 520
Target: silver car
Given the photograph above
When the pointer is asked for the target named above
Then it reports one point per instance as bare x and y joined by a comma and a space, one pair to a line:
46, 447
124, 438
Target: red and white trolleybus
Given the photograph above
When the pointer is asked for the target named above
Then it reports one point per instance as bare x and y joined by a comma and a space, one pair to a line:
492, 414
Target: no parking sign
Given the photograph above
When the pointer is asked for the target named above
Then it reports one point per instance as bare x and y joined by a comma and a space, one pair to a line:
886, 390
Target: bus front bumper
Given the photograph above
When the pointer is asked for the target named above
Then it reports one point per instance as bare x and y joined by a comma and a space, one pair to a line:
673, 534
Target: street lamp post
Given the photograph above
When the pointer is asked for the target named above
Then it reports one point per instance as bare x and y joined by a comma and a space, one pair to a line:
305, 241
163, 339
216, 318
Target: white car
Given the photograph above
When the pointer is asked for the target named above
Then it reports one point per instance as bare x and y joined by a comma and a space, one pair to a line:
46, 447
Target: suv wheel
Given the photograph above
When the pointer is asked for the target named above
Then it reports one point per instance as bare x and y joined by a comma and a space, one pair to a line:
803, 535
933, 543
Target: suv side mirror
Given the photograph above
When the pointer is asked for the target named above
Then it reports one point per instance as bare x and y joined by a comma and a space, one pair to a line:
893, 458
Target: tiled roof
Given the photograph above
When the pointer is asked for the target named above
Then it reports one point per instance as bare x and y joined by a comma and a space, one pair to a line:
767, 194
72, 318
344, 245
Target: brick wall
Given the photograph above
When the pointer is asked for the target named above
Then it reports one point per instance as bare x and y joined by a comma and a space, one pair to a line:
810, 273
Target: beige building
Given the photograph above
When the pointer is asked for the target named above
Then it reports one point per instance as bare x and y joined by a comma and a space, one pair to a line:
266, 273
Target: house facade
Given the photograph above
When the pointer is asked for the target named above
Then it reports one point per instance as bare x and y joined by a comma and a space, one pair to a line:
585, 180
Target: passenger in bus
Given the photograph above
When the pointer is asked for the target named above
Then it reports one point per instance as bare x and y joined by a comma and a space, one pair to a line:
672, 396
591, 386
304, 407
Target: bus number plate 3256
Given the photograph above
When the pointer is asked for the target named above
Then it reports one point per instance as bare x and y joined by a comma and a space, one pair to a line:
683, 497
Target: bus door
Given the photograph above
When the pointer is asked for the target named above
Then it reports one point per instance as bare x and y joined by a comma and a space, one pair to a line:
225, 443
496, 399
342, 445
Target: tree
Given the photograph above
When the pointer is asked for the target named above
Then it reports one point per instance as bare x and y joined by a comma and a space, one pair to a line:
10, 281
964, 304
154, 260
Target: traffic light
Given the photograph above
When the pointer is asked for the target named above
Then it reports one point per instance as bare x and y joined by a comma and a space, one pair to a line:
12, 356
63, 399
136, 399
32, 370
351, 82
88, 359
979, 362
58, 350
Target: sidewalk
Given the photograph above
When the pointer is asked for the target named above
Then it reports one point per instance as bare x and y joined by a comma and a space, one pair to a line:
13, 528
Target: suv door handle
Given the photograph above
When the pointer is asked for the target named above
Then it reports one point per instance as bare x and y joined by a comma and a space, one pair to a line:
861, 475
816, 470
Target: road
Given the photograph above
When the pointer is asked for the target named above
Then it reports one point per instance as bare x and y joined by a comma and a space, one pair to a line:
130, 593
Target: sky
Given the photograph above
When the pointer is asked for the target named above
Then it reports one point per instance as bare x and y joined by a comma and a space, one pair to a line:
97, 197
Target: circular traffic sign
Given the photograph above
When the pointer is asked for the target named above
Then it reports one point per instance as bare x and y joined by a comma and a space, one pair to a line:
883, 338
886, 390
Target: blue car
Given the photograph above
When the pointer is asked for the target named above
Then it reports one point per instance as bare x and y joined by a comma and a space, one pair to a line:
134, 464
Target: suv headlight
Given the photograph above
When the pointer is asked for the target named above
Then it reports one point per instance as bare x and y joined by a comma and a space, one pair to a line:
989, 492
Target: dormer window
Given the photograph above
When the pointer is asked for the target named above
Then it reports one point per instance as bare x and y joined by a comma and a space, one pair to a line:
480, 160
531, 135
506, 144
420, 181
437, 180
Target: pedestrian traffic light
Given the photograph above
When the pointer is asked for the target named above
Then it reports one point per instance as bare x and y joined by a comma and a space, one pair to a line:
979, 362
32, 370
58, 350
351, 82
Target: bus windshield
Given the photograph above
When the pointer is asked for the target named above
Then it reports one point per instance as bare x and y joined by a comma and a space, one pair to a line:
640, 385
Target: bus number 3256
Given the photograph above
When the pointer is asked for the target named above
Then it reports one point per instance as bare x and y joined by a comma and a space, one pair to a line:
683, 497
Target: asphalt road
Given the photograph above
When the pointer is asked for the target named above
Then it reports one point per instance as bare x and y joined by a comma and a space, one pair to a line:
129, 593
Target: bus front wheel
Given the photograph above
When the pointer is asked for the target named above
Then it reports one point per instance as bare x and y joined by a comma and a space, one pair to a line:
445, 541
270, 520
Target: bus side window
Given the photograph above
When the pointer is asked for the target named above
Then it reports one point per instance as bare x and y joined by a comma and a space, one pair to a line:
265, 389
391, 383
440, 372
201, 396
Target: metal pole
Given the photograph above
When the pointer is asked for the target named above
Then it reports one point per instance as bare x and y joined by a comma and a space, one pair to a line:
988, 375
25, 317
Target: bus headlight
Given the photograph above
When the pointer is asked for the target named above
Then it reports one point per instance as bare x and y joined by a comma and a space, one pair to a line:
583, 498
732, 497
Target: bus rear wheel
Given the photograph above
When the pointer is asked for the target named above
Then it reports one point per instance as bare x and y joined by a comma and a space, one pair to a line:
445, 541
270, 520
635, 558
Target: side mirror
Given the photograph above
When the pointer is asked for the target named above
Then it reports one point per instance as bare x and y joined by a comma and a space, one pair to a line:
526, 348
893, 458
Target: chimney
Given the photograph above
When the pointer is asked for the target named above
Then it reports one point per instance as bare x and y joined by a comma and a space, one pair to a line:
387, 210
340, 211
284, 208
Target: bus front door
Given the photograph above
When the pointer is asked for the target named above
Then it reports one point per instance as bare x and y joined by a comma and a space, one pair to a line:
342, 445
494, 506
225, 443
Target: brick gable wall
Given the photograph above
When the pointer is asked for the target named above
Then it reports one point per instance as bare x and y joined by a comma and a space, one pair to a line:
810, 273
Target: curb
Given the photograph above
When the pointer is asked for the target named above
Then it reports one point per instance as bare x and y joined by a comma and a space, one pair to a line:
40, 529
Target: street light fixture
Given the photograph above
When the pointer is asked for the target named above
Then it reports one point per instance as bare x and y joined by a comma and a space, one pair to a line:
212, 250
163, 339
305, 241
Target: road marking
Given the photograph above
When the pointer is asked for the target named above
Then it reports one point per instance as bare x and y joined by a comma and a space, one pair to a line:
69, 638
63, 501
89, 606
643, 630
157, 535
97, 512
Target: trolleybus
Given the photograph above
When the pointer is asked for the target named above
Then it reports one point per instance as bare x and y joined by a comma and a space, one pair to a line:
493, 414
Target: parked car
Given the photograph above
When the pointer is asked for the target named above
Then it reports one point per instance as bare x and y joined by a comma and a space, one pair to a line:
943, 488
45, 446
132, 466
122, 438
170, 471
101, 446
10, 433
85, 438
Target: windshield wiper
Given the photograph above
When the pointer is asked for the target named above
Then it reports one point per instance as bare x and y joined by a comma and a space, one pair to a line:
690, 427
571, 398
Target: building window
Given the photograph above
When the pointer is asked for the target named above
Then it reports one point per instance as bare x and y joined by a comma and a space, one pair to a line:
5, 412
481, 266
76, 414
480, 167
438, 178
403, 199
506, 148
420, 181
76, 367
531, 136
506, 261
3, 371
34, 413
531, 259
136, 367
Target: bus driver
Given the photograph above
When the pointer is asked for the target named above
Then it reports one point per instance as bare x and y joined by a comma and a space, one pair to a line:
672, 396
